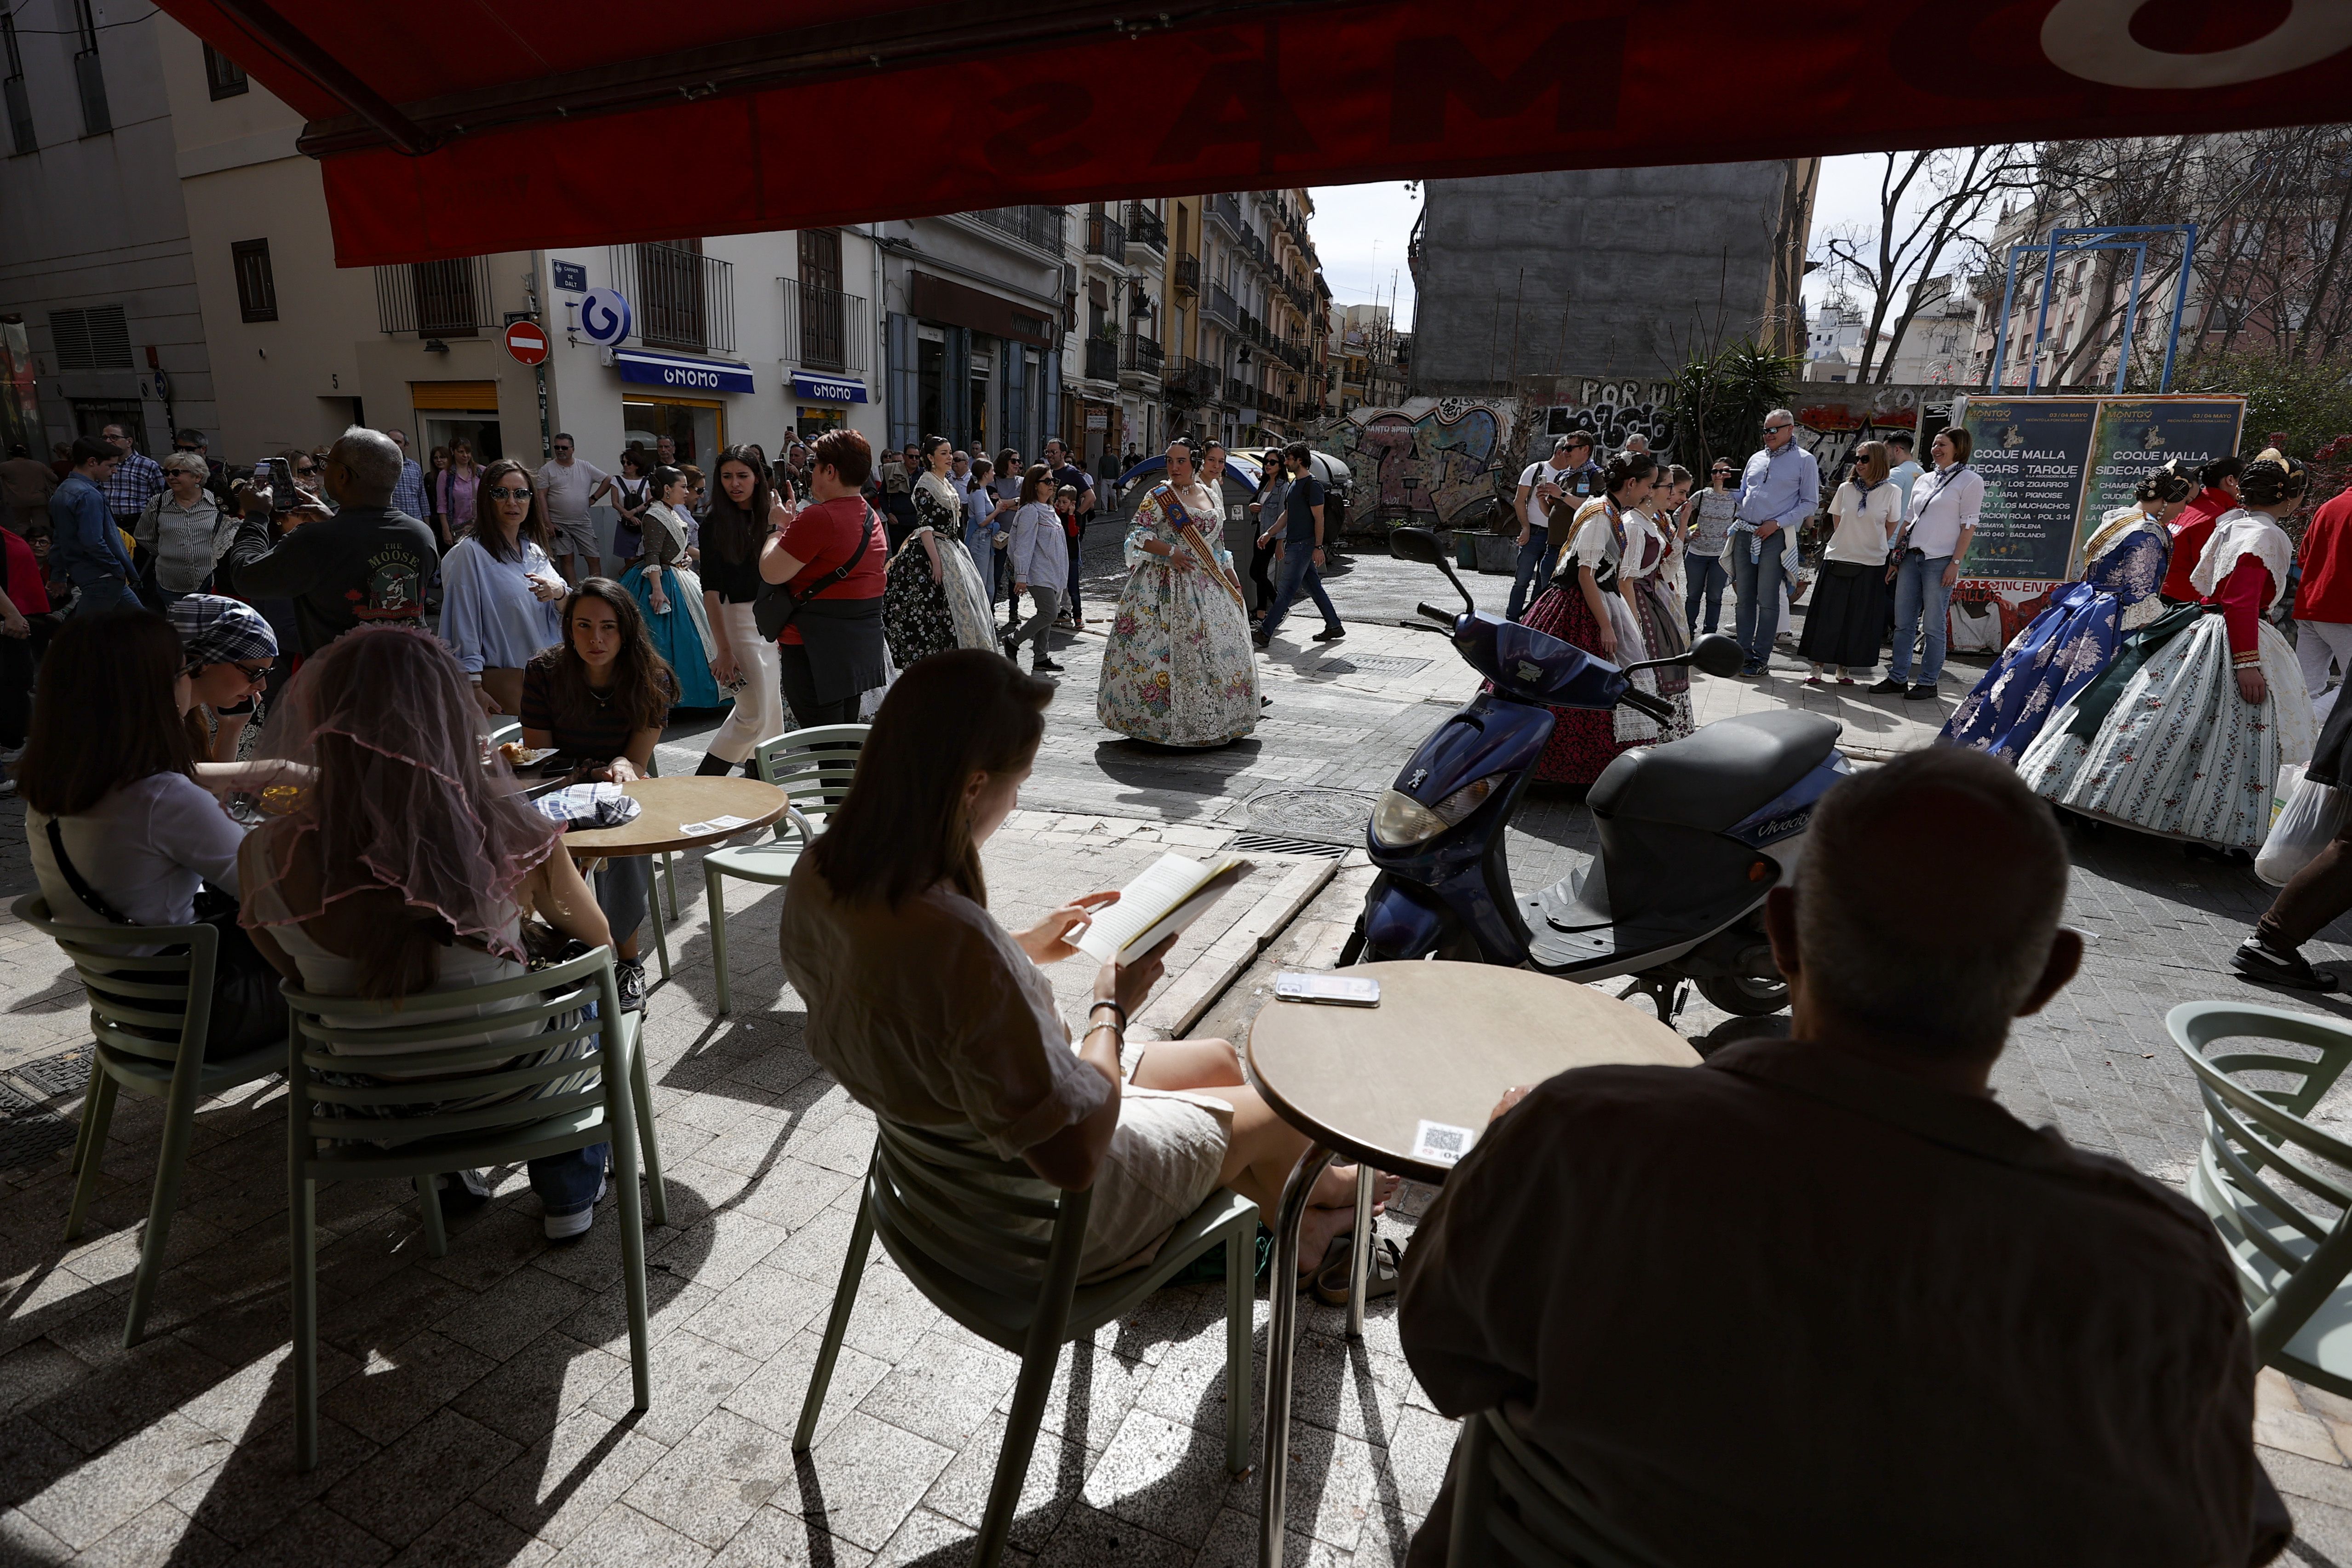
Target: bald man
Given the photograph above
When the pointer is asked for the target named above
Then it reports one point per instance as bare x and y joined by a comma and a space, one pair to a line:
367, 565
1823, 1300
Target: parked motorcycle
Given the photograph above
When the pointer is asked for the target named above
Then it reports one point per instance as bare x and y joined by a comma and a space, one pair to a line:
1694, 832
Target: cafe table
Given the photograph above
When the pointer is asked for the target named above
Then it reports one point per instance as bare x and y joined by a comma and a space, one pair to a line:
685, 813
1406, 1087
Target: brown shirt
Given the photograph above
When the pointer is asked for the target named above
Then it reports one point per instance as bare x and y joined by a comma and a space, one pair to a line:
1792, 1307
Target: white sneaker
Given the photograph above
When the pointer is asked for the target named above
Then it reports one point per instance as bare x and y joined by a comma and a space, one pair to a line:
575, 1222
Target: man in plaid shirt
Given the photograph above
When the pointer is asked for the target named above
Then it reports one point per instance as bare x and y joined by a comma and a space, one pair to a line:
136, 478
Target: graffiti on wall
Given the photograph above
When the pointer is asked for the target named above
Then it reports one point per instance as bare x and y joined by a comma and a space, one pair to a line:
1442, 458
1833, 420
1612, 412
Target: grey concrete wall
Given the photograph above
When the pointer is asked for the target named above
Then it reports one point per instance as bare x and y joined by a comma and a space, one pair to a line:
1607, 271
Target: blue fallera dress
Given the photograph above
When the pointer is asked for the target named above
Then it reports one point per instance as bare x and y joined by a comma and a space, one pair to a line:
678, 631
2063, 648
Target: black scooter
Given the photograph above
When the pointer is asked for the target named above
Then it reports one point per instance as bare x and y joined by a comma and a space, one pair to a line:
1693, 833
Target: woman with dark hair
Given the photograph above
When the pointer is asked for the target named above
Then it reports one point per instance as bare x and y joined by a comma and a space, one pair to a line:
2067, 646
437, 496
630, 493
2217, 494
499, 589
931, 1014
120, 814
1178, 668
744, 516
829, 559
930, 604
453, 491
407, 867
1039, 558
601, 695
1848, 618
672, 596
2188, 745
1585, 607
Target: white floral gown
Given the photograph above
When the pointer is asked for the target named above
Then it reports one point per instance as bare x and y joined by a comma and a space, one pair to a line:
1179, 669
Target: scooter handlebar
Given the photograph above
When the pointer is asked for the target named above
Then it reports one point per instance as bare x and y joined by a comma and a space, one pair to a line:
1444, 617
1642, 701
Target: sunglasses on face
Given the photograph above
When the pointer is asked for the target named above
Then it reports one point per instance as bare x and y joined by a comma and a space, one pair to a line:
254, 672
306, 468
1775, 429
510, 493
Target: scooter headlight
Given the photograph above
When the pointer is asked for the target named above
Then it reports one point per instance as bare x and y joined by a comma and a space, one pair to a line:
1400, 821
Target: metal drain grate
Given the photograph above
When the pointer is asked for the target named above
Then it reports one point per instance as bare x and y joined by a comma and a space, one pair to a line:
1276, 844
1330, 816
1370, 664
64, 1072
29, 1135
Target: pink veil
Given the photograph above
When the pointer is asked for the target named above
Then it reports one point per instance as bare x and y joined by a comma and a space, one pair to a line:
384, 722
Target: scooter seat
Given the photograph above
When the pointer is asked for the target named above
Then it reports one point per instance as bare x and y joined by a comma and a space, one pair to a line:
1713, 779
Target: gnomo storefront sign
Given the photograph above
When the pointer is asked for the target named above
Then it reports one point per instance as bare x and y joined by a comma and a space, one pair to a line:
827, 389
683, 374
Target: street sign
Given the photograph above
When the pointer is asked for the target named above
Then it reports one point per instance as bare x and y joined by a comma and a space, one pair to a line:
605, 317
571, 276
527, 342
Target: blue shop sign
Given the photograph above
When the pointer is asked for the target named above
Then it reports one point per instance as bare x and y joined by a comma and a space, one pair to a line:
684, 374
826, 389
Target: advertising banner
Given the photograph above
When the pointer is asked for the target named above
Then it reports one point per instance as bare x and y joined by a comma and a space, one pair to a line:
2134, 434
2032, 453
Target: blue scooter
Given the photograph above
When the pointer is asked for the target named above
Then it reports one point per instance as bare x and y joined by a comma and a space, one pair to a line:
1693, 833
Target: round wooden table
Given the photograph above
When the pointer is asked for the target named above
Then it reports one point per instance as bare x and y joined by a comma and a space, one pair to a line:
1444, 1043
670, 804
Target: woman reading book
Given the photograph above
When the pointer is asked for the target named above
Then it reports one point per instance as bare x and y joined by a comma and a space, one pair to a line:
933, 1015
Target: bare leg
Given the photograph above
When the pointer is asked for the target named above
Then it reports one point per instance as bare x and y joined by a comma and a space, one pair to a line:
1264, 1148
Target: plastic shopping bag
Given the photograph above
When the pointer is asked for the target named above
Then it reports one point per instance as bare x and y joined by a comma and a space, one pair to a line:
2305, 816
1974, 629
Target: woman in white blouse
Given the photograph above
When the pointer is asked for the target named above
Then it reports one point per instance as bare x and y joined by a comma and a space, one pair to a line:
500, 590
1848, 618
933, 1015
1928, 554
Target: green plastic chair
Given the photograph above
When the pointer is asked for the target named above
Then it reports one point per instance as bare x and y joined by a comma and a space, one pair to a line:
813, 768
2292, 1256
324, 1146
168, 995
1514, 1505
963, 1225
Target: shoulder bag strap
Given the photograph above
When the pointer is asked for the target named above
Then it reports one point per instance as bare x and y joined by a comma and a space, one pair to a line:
769, 594
81, 890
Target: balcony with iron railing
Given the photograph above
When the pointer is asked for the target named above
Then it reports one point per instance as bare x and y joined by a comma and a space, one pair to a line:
1144, 227
1039, 226
1140, 355
435, 299
1226, 208
1219, 307
1188, 274
1239, 392
825, 329
1102, 357
1190, 381
681, 298
1106, 237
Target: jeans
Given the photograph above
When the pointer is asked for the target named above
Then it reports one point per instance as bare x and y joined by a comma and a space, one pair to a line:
567, 1183
1034, 630
1077, 560
106, 593
1920, 596
1529, 572
1260, 577
1707, 578
1298, 570
1758, 584
624, 887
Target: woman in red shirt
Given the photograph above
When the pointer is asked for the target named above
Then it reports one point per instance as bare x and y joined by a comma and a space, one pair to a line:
24, 628
833, 557
2195, 524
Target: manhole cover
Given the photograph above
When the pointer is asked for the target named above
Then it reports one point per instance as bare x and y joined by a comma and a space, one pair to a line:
1370, 664
1328, 816
29, 1135
65, 1073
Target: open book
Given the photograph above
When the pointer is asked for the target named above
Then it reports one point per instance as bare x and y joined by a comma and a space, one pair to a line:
1171, 895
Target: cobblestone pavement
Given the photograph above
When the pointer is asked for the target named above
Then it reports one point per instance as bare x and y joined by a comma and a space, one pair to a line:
475, 1407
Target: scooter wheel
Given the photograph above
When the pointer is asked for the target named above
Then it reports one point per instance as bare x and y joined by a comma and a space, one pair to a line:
1352, 950
1745, 996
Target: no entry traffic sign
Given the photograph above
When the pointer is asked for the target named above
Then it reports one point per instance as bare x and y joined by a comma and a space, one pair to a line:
527, 343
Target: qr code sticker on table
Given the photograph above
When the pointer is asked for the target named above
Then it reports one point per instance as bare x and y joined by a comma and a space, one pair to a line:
1441, 1145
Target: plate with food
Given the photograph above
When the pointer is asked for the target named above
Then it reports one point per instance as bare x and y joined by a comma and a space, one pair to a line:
519, 757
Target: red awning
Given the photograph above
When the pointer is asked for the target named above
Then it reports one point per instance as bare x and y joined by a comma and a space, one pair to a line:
459, 127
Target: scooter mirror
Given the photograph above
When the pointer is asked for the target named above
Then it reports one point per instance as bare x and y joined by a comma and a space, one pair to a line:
1416, 544
1716, 654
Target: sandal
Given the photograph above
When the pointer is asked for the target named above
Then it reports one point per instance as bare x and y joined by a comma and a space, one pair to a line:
1379, 1275
1847, 681
1813, 681
1335, 1255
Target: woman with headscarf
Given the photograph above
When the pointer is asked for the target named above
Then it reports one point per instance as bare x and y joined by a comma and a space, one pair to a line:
407, 866
229, 651
2188, 745
1178, 667
935, 600
2079, 633
670, 595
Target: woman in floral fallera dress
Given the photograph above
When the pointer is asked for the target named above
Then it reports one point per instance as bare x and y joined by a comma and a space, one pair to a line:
2192, 742
1179, 669
934, 601
2067, 646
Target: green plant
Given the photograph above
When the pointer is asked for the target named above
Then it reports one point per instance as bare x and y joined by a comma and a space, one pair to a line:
1720, 400
2309, 404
